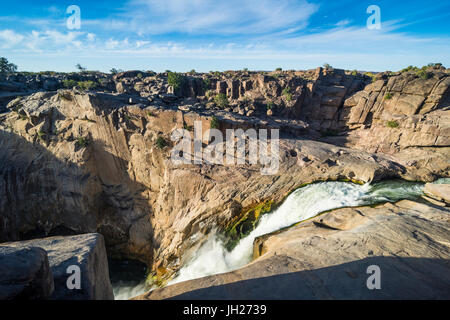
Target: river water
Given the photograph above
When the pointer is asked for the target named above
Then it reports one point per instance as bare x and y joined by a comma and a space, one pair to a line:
213, 258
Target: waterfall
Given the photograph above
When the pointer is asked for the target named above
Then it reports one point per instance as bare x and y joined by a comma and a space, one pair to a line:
213, 258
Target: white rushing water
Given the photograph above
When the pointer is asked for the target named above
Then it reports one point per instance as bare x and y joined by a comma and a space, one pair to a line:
212, 257
302, 204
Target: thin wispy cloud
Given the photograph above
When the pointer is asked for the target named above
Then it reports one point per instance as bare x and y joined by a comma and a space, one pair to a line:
214, 17
283, 33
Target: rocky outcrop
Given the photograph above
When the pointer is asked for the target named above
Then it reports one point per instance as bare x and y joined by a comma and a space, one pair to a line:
90, 163
99, 161
25, 274
328, 257
86, 252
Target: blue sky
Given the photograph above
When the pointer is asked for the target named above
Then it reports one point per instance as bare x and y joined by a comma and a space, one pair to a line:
207, 35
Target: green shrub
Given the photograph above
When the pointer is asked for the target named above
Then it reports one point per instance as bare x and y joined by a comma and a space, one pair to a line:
69, 84
87, 85
327, 66
392, 124
161, 143
371, 75
82, 142
214, 123
410, 68
388, 96
269, 105
175, 80
287, 93
206, 83
354, 73
423, 74
278, 69
41, 134
435, 65
221, 100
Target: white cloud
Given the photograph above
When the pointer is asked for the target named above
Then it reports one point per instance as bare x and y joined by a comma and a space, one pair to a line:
9, 38
214, 17
343, 23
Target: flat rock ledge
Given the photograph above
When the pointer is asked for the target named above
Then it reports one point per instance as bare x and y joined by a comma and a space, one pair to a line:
330, 257
38, 269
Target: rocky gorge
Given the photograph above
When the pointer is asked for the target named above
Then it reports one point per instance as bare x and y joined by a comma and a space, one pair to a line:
77, 160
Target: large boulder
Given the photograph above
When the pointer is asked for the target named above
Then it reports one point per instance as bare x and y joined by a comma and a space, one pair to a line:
25, 273
85, 251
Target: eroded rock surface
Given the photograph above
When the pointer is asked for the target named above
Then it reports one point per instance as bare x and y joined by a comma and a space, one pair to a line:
99, 161
327, 257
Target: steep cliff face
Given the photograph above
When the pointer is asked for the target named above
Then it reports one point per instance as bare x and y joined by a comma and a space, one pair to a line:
75, 162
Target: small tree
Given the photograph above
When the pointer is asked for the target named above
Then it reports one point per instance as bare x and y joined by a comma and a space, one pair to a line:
175, 80
327, 66
6, 67
214, 123
80, 67
115, 71
221, 100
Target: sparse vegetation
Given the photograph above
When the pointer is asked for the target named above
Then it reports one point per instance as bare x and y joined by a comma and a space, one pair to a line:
327, 66
87, 85
161, 143
69, 84
209, 93
392, 124
214, 123
206, 83
175, 80
115, 71
433, 65
371, 75
409, 68
269, 105
423, 74
287, 93
388, 96
41, 134
82, 142
221, 100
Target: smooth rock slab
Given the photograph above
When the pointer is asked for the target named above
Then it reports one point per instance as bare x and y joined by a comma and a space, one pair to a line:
25, 274
439, 192
86, 251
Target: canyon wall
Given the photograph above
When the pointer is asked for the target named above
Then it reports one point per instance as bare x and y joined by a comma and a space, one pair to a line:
75, 162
